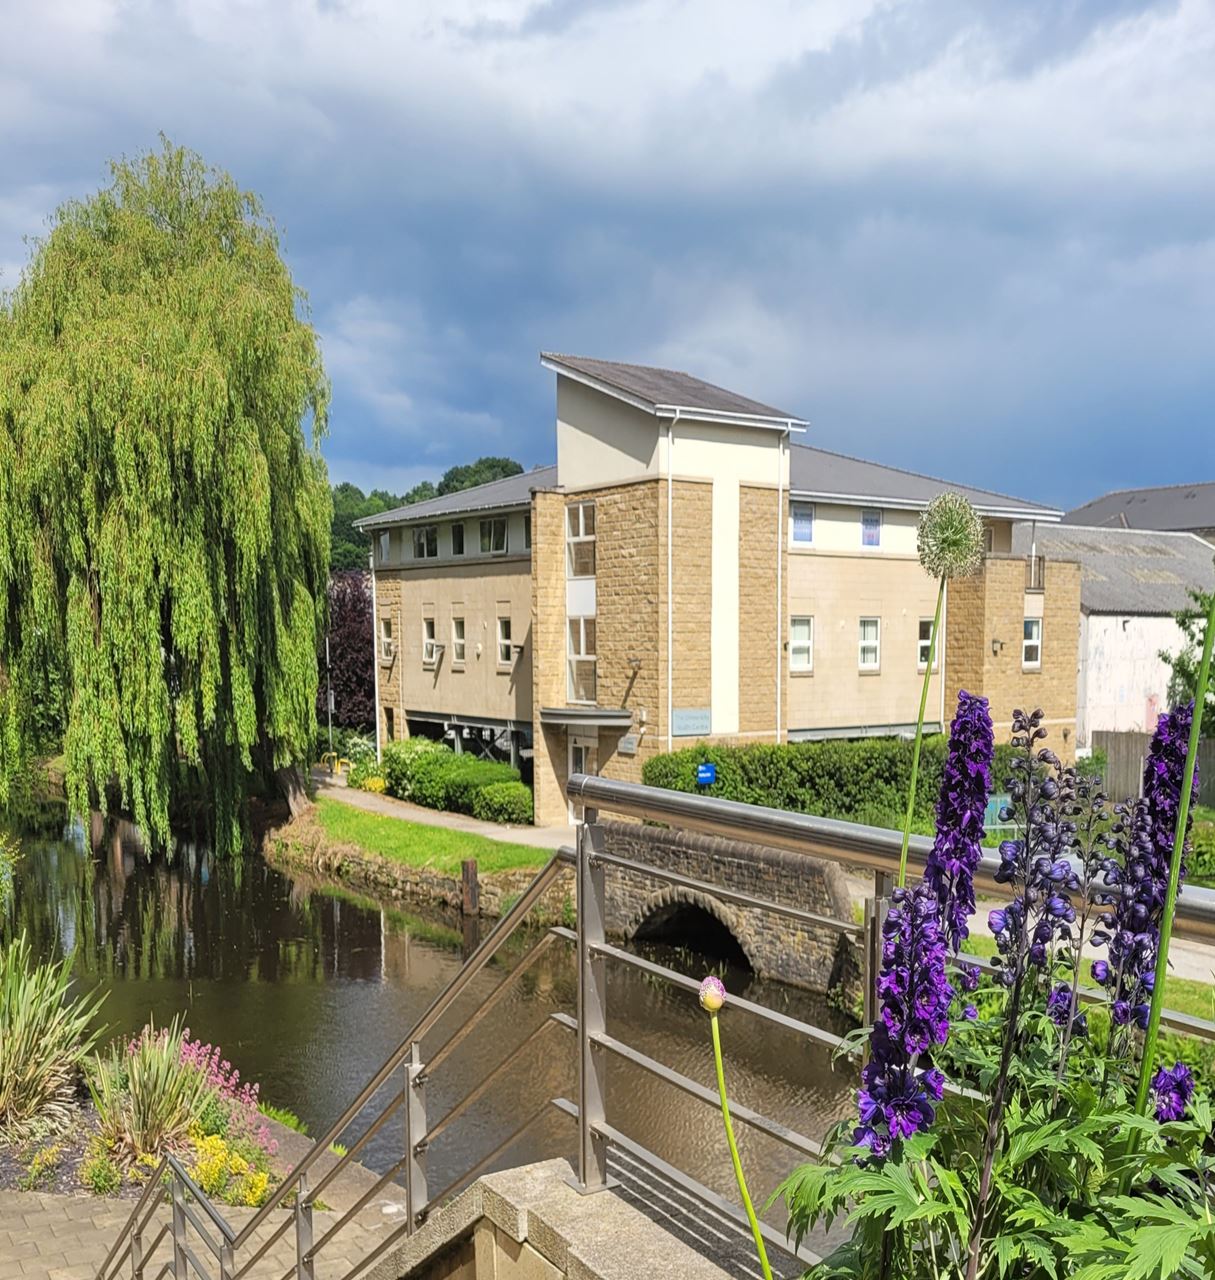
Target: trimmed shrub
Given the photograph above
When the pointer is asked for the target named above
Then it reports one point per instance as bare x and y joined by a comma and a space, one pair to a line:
504, 802
444, 780
399, 760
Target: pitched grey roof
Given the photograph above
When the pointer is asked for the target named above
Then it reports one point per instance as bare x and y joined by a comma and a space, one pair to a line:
511, 491
822, 474
1127, 570
1170, 506
657, 389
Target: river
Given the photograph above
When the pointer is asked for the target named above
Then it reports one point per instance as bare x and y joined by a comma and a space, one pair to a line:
308, 988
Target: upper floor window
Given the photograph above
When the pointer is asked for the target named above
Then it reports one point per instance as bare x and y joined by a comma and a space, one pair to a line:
989, 539
1031, 644
457, 539
803, 524
871, 527
527, 531
426, 542
870, 651
504, 644
430, 650
581, 686
801, 644
457, 641
493, 536
580, 540
386, 638
925, 644
385, 545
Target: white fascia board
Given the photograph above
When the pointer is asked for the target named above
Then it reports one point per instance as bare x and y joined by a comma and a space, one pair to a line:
1040, 514
597, 384
386, 520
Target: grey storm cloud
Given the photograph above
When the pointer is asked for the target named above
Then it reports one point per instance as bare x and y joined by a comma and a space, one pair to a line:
972, 238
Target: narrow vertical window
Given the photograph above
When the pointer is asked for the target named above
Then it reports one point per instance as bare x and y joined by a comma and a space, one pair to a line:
457, 539
925, 644
870, 656
457, 641
871, 527
803, 524
801, 644
385, 546
389, 725
429, 650
1031, 644
426, 542
580, 540
581, 656
504, 644
527, 531
386, 649
493, 536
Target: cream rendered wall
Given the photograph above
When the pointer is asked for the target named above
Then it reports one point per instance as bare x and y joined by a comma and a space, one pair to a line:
1125, 683
728, 457
401, 540
601, 440
479, 592
838, 528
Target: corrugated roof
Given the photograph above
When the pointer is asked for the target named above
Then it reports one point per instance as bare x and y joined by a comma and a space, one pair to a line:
1170, 506
835, 475
510, 491
667, 388
1130, 571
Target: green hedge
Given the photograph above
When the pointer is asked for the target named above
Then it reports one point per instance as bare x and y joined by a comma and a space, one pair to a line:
859, 780
504, 802
431, 774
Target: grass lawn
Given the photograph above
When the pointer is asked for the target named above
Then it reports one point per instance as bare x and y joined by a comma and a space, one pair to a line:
418, 845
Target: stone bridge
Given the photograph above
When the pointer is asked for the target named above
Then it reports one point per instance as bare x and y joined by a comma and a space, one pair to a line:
773, 945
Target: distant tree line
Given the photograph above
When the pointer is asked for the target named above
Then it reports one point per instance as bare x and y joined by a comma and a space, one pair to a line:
349, 546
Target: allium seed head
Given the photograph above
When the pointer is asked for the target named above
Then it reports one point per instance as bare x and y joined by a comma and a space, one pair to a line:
950, 539
712, 994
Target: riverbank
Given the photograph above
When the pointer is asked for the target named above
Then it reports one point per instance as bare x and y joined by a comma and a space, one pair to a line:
390, 857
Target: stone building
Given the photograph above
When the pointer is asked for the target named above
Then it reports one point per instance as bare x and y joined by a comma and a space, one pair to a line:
689, 571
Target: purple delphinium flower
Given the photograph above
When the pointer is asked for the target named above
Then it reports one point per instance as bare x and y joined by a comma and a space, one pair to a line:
1172, 1087
899, 1085
1138, 875
965, 786
1059, 1007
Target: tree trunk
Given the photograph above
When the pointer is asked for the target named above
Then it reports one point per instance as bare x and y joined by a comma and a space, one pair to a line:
291, 783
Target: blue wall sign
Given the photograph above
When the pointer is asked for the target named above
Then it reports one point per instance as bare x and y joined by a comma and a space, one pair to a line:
706, 775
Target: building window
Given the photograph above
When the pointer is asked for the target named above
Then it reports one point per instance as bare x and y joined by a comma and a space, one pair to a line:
430, 650
457, 641
504, 645
803, 524
925, 642
386, 647
527, 532
1031, 644
580, 540
390, 729
385, 546
581, 653
801, 644
426, 542
871, 527
457, 539
870, 657
989, 539
493, 536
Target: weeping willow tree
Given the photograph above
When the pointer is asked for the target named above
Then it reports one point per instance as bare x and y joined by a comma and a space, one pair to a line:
164, 508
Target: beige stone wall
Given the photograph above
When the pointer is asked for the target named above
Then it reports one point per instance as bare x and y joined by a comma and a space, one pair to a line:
692, 591
760, 621
988, 611
548, 647
837, 591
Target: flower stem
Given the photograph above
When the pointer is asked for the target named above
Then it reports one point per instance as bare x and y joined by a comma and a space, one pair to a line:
738, 1171
919, 736
1170, 901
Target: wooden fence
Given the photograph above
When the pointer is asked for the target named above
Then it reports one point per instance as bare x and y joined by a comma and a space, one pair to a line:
1126, 752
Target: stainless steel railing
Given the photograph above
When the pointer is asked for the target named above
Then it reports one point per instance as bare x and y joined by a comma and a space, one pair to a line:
196, 1224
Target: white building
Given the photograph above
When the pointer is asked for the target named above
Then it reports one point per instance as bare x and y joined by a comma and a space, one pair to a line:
1132, 583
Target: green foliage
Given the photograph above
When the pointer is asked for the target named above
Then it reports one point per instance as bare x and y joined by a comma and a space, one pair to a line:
1183, 682
1202, 858
471, 474
284, 1116
45, 1037
504, 802
431, 774
42, 1167
101, 1175
164, 516
9, 853
146, 1097
400, 759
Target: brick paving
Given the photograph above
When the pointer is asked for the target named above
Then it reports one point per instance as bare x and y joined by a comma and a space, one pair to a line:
56, 1237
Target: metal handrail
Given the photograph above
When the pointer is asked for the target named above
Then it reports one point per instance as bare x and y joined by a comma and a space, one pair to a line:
874, 848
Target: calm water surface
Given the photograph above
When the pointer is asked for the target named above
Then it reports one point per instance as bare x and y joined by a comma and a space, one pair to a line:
309, 988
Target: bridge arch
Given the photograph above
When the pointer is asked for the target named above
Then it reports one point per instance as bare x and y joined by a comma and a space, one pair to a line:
679, 915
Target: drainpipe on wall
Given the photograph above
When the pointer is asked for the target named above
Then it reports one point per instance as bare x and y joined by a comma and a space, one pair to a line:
780, 555
670, 582
375, 647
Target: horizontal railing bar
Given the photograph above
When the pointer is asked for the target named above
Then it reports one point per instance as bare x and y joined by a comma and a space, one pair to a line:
380, 1121
689, 1185
367, 1196
489, 948
773, 1128
781, 1020
876, 848
487, 1082
433, 1060
218, 1220
724, 894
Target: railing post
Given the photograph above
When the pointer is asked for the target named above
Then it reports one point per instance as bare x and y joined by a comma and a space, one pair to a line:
137, 1251
592, 1011
415, 1137
180, 1263
227, 1263
305, 1263
871, 965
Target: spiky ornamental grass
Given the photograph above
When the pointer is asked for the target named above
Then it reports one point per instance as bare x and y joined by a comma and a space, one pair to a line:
950, 543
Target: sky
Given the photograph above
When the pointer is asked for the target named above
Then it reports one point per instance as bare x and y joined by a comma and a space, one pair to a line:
974, 238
